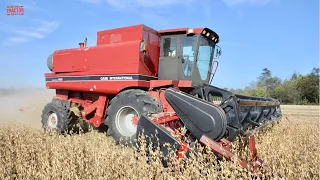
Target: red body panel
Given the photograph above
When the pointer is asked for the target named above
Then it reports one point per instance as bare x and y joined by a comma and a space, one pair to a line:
117, 52
111, 87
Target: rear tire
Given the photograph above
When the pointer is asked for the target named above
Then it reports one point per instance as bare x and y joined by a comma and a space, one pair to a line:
121, 110
57, 117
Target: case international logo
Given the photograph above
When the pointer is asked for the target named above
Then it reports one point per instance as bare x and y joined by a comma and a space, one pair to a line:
15, 10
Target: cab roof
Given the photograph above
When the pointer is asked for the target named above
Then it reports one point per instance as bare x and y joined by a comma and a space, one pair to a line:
180, 30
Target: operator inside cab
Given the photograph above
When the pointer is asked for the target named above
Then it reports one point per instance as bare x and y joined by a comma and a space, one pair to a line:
188, 47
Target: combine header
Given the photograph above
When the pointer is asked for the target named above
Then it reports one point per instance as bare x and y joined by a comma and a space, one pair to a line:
139, 80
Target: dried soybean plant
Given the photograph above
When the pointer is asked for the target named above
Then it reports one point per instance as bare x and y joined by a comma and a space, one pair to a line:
290, 148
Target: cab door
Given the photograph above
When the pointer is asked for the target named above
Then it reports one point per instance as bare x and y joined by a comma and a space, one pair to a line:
170, 58
188, 56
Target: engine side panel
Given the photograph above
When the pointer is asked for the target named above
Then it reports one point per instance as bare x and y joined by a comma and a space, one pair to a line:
107, 59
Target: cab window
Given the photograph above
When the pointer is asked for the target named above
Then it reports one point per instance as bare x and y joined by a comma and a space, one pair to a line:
204, 58
188, 47
169, 46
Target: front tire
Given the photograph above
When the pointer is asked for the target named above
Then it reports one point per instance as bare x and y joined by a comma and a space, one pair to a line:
123, 108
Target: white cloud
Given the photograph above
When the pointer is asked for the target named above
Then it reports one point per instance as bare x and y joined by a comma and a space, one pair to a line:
40, 30
237, 2
26, 32
17, 39
146, 8
149, 9
29, 34
147, 3
92, 1
46, 27
28, 6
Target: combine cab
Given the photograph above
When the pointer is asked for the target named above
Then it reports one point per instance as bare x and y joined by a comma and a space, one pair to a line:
139, 80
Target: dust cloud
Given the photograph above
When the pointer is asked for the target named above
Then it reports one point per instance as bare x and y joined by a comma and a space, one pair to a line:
23, 106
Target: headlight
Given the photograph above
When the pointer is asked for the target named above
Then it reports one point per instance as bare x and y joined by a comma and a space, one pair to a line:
210, 35
190, 31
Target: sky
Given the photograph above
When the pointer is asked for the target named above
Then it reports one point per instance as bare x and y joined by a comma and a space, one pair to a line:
281, 35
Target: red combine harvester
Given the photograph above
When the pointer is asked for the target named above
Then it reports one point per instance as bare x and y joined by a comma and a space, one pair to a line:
139, 80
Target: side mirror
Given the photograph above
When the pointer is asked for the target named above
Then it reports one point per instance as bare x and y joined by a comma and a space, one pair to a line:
143, 47
217, 52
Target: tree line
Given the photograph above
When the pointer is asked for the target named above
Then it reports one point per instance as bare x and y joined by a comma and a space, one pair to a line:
298, 89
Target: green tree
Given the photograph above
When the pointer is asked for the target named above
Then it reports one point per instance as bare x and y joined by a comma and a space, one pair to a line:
308, 86
265, 75
266, 84
298, 89
273, 83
